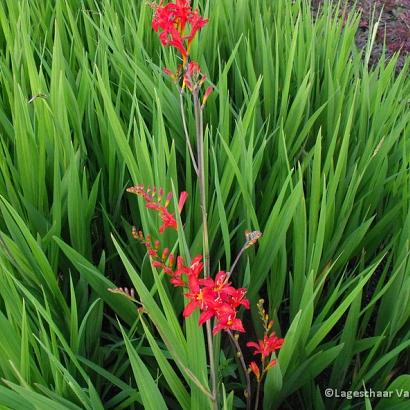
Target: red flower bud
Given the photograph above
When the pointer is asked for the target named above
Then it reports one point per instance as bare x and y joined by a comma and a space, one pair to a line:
254, 368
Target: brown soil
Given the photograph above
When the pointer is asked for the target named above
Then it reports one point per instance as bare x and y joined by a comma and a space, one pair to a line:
394, 26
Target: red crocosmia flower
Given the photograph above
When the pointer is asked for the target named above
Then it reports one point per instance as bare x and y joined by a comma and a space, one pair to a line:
199, 297
196, 266
176, 279
193, 270
168, 220
172, 38
172, 20
227, 320
238, 298
226, 294
255, 370
218, 284
268, 345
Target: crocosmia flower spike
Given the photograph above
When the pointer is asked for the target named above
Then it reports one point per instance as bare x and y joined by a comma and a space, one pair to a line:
154, 200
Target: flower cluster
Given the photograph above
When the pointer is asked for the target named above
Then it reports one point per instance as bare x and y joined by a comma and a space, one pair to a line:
265, 347
177, 25
153, 200
215, 298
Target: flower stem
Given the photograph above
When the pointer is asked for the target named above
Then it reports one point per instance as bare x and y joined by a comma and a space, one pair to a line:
245, 370
201, 178
188, 141
228, 275
205, 237
258, 387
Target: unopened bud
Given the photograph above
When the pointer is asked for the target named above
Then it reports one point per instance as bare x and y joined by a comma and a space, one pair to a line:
206, 95
165, 254
171, 260
134, 232
168, 200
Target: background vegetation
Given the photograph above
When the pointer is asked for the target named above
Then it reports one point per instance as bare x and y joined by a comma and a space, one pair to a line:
304, 142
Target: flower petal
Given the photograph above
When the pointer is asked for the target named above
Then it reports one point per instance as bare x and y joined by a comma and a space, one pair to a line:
189, 308
206, 315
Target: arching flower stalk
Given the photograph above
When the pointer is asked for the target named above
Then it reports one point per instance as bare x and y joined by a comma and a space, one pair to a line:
217, 300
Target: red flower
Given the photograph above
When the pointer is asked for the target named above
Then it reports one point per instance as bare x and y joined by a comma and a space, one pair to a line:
194, 270
226, 294
172, 38
219, 285
214, 297
227, 320
172, 20
268, 345
238, 298
199, 297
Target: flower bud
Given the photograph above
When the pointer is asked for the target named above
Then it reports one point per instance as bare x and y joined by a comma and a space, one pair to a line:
254, 368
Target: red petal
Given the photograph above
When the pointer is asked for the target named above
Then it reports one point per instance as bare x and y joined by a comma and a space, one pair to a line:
271, 364
217, 328
189, 308
245, 303
253, 344
177, 282
228, 290
238, 326
208, 314
207, 282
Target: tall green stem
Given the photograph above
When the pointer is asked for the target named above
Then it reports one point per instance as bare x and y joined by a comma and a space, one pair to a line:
244, 368
202, 193
228, 275
188, 140
258, 387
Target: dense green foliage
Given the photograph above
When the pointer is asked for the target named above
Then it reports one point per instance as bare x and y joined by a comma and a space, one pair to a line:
304, 143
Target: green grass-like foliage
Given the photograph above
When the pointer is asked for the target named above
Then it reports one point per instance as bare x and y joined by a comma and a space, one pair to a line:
304, 142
